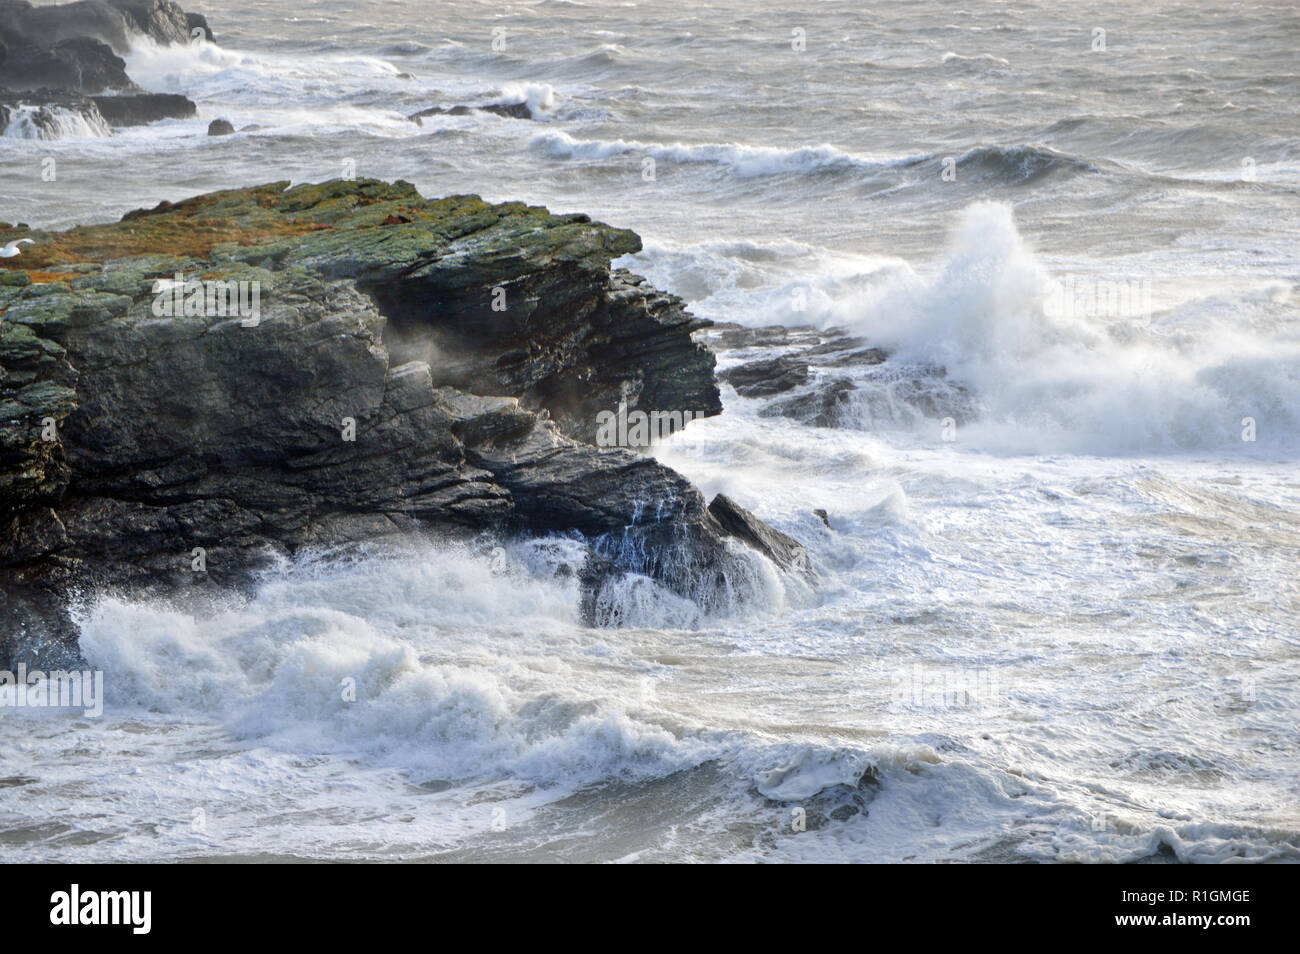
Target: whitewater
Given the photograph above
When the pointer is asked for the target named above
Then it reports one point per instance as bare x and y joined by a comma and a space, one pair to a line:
1058, 612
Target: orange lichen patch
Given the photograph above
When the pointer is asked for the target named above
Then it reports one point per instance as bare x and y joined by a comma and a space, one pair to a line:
43, 278
163, 234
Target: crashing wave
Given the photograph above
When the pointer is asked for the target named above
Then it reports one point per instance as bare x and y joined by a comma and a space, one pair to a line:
52, 122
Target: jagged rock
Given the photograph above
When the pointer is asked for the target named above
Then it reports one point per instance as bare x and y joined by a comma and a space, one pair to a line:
767, 376
785, 551
820, 407
78, 63
510, 110
730, 335
817, 363
319, 411
221, 127
197, 21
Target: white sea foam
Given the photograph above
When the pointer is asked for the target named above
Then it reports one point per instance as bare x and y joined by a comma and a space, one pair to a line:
540, 97
1081, 382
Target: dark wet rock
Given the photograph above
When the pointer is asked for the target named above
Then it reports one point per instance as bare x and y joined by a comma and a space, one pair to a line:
833, 354
767, 376
838, 371
133, 441
834, 804
51, 50
112, 22
144, 108
820, 407
785, 551
82, 64
509, 110
198, 22
24, 24
824, 517
221, 127
728, 335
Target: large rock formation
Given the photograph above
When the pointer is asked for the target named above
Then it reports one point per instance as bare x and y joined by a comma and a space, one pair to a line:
394, 364
53, 58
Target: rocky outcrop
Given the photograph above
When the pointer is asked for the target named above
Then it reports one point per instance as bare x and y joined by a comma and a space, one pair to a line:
337, 363
79, 63
767, 376
52, 57
144, 108
508, 110
785, 551
111, 22
827, 378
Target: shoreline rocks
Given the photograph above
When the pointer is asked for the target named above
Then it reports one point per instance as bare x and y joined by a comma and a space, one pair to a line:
508, 110
375, 364
65, 58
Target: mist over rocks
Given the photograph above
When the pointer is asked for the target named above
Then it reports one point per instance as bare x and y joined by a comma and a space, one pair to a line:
409, 365
53, 57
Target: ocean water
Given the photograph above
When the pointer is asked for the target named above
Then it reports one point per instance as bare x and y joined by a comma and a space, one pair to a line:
1058, 611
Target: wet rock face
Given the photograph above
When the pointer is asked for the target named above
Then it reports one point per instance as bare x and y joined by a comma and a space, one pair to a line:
143, 108
331, 367
78, 63
767, 376
50, 51
113, 22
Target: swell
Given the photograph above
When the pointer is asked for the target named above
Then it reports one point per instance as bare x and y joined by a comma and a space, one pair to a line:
1016, 164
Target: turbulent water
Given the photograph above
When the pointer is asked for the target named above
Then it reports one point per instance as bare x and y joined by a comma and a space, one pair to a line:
1057, 620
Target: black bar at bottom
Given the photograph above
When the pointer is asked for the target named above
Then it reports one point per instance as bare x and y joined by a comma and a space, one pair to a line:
335, 902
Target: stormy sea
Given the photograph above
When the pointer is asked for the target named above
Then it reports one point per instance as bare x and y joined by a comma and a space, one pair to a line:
1003, 303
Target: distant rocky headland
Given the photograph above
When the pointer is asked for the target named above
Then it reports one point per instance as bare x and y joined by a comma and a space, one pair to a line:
202, 389
62, 72
61, 66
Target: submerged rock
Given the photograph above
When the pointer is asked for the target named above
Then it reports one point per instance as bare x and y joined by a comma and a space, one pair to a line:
221, 127
829, 378
509, 110
823, 406
337, 363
